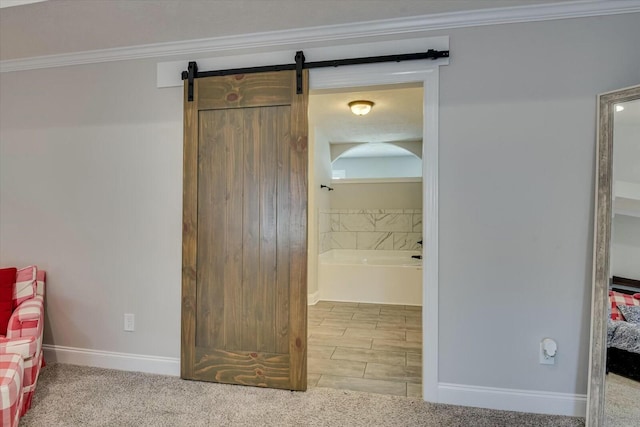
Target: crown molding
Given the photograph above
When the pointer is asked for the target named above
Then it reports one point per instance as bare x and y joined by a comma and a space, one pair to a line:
12, 3
323, 34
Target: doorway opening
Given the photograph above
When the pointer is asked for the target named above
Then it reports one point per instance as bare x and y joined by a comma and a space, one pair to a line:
365, 240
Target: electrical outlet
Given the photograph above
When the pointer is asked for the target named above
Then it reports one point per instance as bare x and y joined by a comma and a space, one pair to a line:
546, 359
129, 322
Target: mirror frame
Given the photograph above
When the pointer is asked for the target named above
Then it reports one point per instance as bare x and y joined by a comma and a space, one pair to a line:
601, 251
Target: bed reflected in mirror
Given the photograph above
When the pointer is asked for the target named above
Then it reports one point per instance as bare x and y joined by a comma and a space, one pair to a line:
622, 382
614, 384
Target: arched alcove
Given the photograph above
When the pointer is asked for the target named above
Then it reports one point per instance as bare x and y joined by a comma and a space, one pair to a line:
375, 160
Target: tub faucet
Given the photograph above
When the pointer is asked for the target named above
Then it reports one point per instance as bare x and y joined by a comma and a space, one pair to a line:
420, 242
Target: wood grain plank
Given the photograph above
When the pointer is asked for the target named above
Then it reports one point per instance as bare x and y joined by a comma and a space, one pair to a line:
282, 226
244, 237
189, 236
233, 260
212, 234
268, 188
251, 230
241, 91
243, 367
298, 235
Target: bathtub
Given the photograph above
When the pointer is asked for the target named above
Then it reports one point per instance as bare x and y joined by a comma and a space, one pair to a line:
387, 277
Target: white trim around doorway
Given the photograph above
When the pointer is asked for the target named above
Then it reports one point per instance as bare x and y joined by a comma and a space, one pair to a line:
426, 73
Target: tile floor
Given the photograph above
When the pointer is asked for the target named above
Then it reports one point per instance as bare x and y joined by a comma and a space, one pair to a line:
375, 348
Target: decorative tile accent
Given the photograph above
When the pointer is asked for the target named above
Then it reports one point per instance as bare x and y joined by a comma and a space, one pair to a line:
343, 240
417, 222
398, 229
374, 240
357, 222
335, 222
406, 241
324, 243
393, 222
324, 222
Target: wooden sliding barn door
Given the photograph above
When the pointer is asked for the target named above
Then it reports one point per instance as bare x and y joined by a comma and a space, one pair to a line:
244, 247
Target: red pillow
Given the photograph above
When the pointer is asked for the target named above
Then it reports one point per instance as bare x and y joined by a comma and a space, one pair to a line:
7, 280
617, 298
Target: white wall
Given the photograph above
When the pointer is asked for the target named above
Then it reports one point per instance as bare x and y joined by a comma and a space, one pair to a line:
517, 155
319, 173
91, 191
625, 247
90, 174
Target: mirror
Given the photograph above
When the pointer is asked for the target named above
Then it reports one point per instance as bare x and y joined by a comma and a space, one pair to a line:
614, 368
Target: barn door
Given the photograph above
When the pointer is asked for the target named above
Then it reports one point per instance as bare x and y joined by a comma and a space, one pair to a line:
244, 247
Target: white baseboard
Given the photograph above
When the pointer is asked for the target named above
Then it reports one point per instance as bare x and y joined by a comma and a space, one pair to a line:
540, 402
112, 360
312, 299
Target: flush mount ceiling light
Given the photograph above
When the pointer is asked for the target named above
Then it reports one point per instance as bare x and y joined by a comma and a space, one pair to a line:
619, 108
360, 107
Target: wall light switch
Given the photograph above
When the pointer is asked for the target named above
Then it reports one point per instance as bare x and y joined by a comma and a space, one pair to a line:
129, 322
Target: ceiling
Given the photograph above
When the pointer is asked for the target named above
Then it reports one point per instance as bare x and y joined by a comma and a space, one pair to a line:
65, 26
396, 116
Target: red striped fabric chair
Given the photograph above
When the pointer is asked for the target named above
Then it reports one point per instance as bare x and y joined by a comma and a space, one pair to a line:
26, 325
11, 373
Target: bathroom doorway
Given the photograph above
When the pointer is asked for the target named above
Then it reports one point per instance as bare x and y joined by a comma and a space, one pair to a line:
365, 239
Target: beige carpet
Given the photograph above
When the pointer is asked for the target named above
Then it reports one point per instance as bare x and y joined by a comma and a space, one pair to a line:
69, 395
622, 402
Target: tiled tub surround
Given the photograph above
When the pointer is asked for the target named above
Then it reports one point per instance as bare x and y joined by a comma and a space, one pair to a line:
370, 276
370, 229
374, 348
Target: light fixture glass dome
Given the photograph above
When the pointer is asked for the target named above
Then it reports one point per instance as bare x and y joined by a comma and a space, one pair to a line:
360, 107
